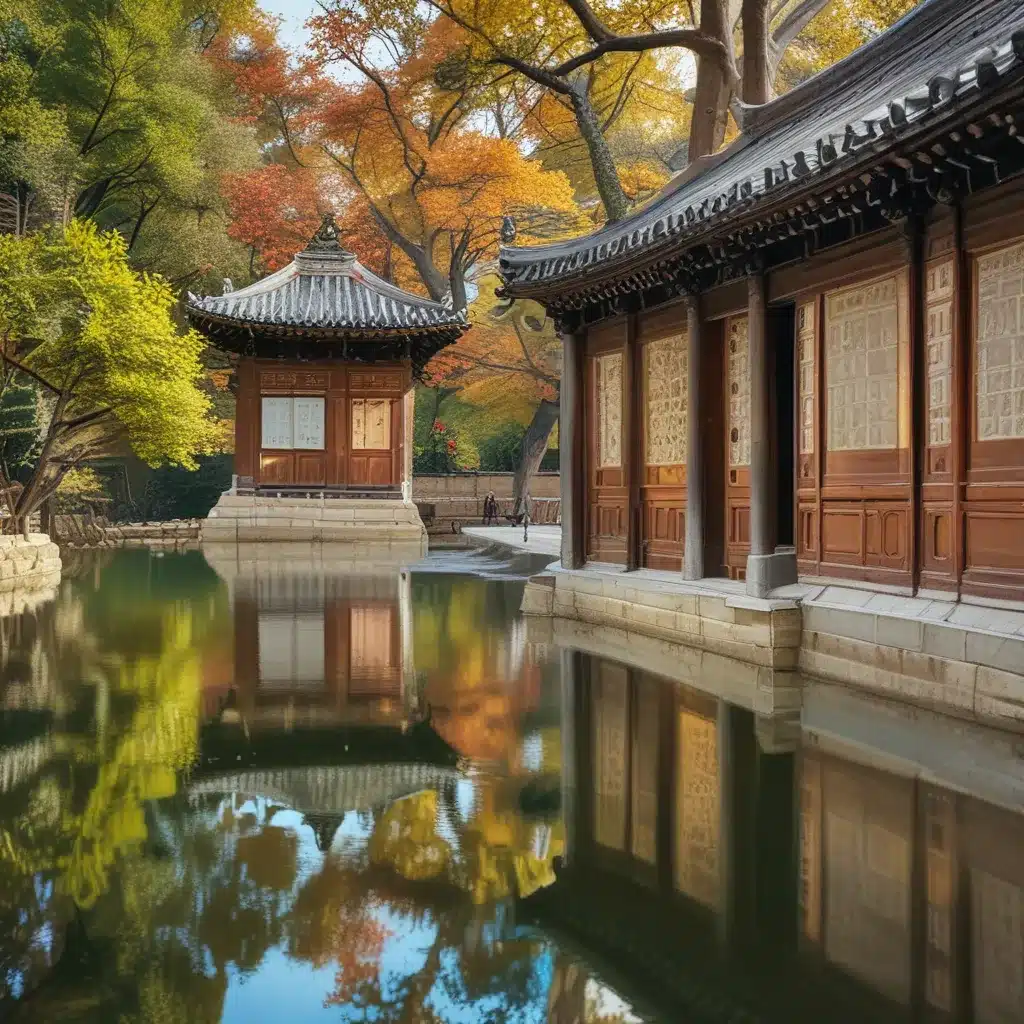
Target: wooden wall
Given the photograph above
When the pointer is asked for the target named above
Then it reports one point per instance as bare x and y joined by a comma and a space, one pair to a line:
909, 442
338, 464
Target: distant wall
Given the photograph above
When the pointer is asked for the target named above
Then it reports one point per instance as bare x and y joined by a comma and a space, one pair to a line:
431, 486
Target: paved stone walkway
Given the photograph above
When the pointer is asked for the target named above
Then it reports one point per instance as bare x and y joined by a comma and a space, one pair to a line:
543, 540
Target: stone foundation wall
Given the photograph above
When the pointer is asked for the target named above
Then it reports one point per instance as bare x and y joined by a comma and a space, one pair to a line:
31, 564
85, 532
970, 671
254, 518
759, 632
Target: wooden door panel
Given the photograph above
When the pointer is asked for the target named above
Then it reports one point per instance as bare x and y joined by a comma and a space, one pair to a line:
310, 468
736, 380
664, 528
608, 498
277, 468
370, 469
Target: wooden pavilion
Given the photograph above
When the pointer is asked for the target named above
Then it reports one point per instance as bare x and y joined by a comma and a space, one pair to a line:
805, 357
327, 354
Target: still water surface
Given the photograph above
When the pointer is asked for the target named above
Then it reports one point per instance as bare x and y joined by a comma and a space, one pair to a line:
325, 791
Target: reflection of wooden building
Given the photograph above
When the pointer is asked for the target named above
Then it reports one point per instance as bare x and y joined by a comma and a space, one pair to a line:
877, 897
914, 891
330, 645
320, 642
327, 355
808, 351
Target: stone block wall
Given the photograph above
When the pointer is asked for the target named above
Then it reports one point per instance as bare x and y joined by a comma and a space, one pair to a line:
87, 532
28, 564
476, 485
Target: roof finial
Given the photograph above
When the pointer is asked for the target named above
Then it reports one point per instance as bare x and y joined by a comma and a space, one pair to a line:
326, 237
508, 229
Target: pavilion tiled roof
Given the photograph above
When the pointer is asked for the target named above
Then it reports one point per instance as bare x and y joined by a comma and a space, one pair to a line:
938, 59
327, 290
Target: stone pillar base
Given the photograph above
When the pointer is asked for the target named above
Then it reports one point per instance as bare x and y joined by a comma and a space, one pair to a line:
767, 572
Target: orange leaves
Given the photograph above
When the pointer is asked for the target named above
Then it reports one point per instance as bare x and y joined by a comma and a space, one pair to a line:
273, 210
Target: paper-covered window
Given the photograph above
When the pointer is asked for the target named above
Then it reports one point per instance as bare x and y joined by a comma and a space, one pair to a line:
371, 423
293, 423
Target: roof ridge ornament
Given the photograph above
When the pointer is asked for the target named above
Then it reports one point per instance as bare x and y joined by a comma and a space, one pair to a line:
324, 252
327, 238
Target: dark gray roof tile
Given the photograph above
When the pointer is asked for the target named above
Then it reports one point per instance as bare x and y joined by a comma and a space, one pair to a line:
944, 51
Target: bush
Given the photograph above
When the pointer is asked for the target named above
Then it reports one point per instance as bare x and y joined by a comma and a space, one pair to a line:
439, 453
499, 453
176, 493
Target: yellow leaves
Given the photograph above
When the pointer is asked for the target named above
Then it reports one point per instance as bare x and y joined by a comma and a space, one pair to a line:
406, 839
641, 180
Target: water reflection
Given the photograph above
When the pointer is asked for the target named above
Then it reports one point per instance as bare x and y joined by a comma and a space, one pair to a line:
249, 790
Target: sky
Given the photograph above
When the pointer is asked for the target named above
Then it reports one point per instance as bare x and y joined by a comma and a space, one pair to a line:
293, 14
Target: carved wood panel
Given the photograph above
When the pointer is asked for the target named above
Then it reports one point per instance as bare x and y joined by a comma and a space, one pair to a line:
999, 345
737, 442
862, 365
939, 296
608, 496
662, 490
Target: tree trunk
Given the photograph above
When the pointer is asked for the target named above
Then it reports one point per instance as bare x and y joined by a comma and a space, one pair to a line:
535, 444
712, 94
609, 188
757, 84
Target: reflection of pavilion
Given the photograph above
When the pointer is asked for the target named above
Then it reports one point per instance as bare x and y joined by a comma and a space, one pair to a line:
319, 640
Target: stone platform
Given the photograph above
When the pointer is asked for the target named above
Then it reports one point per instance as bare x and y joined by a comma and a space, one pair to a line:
27, 564
959, 657
259, 518
711, 615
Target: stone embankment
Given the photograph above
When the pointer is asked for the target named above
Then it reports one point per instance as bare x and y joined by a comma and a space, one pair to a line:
27, 564
96, 532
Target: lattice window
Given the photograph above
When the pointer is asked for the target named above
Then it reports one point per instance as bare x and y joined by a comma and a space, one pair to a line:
1000, 362
939, 337
739, 392
805, 357
665, 368
862, 338
609, 410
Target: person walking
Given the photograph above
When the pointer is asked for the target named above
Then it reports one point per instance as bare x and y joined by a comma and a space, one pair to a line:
490, 509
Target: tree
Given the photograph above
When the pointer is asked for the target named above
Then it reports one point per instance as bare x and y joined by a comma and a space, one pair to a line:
100, 341
509, 362
561, 45
119, 117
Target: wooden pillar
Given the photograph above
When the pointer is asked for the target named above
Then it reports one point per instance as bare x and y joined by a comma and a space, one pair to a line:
918, 384
632, 448
406, 441
761, 540
767, 568
693, 548
572, 472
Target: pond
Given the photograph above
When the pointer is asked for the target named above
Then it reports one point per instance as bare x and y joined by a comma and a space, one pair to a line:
296, 788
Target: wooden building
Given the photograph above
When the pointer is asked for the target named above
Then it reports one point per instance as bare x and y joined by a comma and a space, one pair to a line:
806, 355
327, 354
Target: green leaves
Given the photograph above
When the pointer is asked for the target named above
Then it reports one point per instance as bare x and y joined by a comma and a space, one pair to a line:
102, 338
